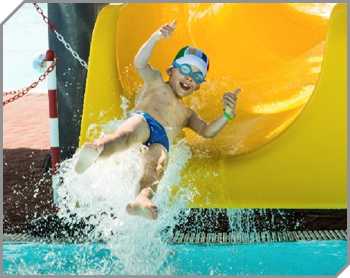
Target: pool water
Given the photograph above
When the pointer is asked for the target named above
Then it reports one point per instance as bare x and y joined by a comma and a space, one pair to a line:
291, 258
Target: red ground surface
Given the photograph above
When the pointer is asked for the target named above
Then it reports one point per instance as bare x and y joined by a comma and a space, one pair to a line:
26, 144
26, 123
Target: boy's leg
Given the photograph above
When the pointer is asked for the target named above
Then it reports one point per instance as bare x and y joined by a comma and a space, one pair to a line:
155, 162
132, 131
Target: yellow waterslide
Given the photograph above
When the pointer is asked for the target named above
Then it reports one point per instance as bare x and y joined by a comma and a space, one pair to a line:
287, 146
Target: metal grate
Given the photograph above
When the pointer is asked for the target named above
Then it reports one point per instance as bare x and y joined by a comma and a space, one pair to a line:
239, 238
218, 238
20, 238
25, 238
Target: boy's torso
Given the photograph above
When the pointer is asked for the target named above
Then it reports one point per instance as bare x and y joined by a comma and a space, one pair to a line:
160, 102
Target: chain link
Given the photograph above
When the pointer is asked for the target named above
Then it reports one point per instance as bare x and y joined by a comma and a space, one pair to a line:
22, 92
70, 49
45, 18
60, 37
4, 94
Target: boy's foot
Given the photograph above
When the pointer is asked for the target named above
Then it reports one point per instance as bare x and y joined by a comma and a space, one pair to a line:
87, 156
143, 206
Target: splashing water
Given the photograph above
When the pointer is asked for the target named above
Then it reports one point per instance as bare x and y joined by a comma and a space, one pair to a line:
255, 220
103, 192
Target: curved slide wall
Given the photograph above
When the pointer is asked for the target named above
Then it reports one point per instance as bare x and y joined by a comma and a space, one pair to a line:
287, 146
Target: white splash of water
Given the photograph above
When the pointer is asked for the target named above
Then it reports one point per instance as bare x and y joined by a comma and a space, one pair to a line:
103, 192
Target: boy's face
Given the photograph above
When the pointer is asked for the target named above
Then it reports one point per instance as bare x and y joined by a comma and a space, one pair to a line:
181, 84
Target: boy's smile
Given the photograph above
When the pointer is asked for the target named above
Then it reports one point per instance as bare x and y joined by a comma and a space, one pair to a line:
182, 85
185, 86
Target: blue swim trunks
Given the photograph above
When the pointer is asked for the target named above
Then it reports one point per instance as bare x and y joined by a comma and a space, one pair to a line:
157, 131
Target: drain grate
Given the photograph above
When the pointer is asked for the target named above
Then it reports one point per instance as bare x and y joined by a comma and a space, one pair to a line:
217, 238
238, 238
21, 238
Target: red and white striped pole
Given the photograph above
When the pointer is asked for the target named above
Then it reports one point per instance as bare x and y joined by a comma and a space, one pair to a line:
53, 114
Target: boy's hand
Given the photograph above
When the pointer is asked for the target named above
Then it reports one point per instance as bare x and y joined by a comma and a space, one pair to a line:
166, 30
230, 100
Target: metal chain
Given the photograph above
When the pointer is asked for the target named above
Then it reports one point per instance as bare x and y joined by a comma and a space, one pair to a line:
4, 94
70, 49
45, 18
60, 37
22, 92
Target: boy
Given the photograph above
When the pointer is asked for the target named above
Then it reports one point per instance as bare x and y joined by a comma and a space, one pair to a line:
160, 115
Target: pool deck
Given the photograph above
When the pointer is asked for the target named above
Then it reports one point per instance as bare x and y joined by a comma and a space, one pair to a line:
26, 123
25, 146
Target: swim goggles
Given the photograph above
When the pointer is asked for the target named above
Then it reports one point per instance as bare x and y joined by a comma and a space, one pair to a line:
186, 69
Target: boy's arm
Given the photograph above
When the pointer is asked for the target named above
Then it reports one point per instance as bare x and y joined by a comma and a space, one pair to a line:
206, 130
141, 59
212, 129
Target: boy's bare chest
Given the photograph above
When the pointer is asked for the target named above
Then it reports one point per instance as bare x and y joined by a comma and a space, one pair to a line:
162, 104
